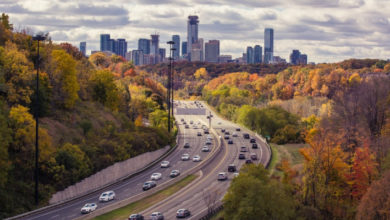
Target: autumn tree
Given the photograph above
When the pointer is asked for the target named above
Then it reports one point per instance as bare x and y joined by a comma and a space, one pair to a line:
104, 89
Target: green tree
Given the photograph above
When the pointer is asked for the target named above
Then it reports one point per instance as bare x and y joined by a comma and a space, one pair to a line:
5, 140
104, 89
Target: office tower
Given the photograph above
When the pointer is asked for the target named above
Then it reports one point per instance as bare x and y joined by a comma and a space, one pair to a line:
303, 59
137, 57
154, 47
184, 48
161, 52
122, 47
250, 55
192, 33
258, 54
105, 42
83, 48
197, 51
128, 56
144, 45
294, 57
176, 46
212, 51
268, 45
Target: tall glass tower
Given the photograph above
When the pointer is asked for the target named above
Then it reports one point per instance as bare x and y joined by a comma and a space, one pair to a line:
192, 33
268, 45
176, 45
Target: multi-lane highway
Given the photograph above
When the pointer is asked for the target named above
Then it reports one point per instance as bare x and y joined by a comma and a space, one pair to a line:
193, 117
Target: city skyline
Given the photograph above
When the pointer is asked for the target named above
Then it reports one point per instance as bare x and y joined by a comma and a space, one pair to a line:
327, 31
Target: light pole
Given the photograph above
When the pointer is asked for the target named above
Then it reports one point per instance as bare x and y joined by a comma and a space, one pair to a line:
169, 85
38, 37
172, 75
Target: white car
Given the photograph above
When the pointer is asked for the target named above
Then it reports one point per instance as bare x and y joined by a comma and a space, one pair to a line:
196, 158
165, 164
89, 207
156, 176
235, 134
107, 196
205, 149
185, 157
157, 216
222, 176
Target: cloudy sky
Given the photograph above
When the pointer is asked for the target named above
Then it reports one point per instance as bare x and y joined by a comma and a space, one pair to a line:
326, 30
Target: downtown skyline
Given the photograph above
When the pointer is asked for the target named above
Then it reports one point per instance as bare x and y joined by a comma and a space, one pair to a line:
329, 31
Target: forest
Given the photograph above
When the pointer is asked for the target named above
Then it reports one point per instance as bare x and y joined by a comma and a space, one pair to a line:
93, 112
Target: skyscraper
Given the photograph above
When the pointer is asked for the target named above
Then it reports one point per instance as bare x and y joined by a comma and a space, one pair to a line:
303, 59
122, 47
154, 47
249, 55
105, 42
192, 33
268, 45
212, 51
184, 48
294, 57
258, 56
176, 45
144, 45
137, 57
161, 52
197, 51
83, 48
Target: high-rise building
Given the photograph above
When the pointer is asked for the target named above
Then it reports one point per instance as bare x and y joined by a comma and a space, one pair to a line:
184, 48
250, 59
197, 51
303, 59
105, 42
212, 51
268, 45
162, 53
176, 46
122, 47
144, 45
294, 57
154, 47
83, 48
137, 57
192, 33
258, 54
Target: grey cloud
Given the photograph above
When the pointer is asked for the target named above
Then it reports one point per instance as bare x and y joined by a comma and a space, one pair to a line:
302, 32
331, 3
163, 2
14, 8
269, 15
84, 9
247, 3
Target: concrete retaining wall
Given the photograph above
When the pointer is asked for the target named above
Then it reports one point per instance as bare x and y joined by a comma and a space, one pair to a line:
108, 175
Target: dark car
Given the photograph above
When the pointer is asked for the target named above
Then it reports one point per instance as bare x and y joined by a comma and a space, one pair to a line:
148, 185
253, 140
230, 142
226, 137
253, 156
223, 130
187, 145
246, 135
227, 133
241, 156
254, 146
199, 133
248, 161
238, 129
232, 168
206, 131
174, 173
183, 213
136, 217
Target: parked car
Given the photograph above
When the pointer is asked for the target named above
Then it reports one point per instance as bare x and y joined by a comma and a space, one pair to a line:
107, 196
136, 217
246, 135
243, 149
89, 207
254, 146
148, 185
253, 156
222, 176
174, 173
187, 145
196, 158
185, 157
232, 168
253, 140
241, 156
165, 164
156, 216
183, 213
230, 141
156, 176
205, 149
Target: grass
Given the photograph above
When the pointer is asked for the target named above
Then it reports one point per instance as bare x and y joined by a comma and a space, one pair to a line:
275, 159
288, 151
140, 205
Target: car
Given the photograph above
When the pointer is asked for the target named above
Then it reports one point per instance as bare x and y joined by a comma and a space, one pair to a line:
199, 133
236, 174
184, 122
226, 137
205, 149
235, 134
241, 156
254, 146
136, 217
248, 161
206, 131
230, 141
227, 133
232, 168
253, 156
238, 129
253, 140
156, 216
89, 207
183, 213
186, 126
222, 176
165, 164
196, 158
191, 122
195, 127
148, 185
156, 176
182, 119
187, 145
209, 137
208, 142
222, 130
107, 196
246, 135
243, 149
185, 157
174, 173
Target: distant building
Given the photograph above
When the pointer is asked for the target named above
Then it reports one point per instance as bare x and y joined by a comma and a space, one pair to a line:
83, 48
244, 57
278, 59
176, 45
258, 54
212, 51
154, 48
137, 57
197, 50
224, 58
303, 59
128, 56
296, 58
162, 53
250, 59
144, 45
118, 47
192, 33
184, 48
122, 48
105, 42
268, 45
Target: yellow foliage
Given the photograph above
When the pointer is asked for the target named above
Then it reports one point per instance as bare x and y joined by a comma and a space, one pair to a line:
138, 122
354, 79
201, 73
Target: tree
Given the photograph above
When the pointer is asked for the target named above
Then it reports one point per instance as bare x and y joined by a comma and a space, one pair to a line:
5, 140
100, 60
104, 89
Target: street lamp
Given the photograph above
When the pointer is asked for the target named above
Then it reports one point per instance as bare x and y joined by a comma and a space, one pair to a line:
169, 85
38, 37
172, 75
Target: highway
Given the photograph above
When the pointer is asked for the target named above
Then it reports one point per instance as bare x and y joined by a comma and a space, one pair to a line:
194, 197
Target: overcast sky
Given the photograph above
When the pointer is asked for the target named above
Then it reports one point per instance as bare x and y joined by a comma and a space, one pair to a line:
326, 30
